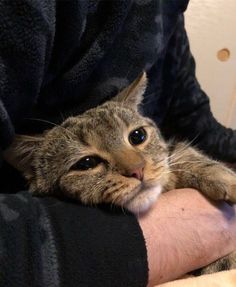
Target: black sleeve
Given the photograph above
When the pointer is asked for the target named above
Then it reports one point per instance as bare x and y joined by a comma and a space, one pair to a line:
26, 37
189, 116
46, 242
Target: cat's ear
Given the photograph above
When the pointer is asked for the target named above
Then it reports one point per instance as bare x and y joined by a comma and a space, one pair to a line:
21, 152
132, 95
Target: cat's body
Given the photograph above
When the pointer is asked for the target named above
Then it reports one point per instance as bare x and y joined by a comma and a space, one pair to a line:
112, 154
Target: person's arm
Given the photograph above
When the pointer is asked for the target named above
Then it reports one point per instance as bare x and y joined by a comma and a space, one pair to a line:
49, 242
189, 115
184, 231
26, 39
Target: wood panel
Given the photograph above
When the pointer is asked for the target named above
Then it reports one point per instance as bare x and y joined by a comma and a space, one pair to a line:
211, 26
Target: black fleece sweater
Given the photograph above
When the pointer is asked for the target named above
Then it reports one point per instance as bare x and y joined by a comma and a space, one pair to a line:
60, 58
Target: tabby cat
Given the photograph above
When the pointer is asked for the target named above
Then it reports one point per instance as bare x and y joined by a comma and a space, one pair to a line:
112, 154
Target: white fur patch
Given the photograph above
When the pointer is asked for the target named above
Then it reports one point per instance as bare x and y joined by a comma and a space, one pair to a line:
144, 199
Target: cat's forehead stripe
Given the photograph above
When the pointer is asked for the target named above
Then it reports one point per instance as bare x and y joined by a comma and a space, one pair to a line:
104, 126
82, 137
120, 114
105, 118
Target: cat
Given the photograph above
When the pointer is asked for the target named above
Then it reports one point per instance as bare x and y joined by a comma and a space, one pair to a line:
113, 154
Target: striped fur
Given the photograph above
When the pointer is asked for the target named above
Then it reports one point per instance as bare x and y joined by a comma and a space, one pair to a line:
46, 160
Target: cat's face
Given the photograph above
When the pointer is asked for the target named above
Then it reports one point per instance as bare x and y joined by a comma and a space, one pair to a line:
110, 154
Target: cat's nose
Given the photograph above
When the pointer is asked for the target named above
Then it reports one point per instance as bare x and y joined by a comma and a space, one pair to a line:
130, 163
137, 173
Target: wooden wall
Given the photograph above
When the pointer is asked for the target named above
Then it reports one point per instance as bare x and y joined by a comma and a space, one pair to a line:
211, 26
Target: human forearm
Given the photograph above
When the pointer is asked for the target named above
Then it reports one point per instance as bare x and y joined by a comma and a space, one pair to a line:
183, 232
49, 242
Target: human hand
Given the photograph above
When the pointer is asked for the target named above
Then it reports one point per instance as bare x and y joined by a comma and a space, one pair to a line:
185, 231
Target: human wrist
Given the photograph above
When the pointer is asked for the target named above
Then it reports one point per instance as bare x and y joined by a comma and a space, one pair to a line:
183, 232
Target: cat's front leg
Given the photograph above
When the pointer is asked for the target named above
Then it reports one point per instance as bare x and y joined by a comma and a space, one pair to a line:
226, 263
193, 169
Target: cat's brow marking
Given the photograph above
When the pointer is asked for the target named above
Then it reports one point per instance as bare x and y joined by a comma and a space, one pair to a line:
82, 137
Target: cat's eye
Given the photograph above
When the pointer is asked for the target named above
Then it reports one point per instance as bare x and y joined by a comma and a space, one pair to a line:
137, 136
87, 162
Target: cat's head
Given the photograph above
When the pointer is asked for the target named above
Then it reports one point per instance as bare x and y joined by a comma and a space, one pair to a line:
109, 154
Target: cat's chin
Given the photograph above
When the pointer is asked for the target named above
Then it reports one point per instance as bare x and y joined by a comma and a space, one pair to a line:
144, 200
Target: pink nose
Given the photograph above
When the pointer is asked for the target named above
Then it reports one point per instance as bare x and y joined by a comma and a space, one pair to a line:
137, 173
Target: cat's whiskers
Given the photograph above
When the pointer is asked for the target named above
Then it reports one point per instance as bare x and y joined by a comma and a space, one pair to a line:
157, 167
178, 170
123, 210
176, 155
54, 124
112, 205
44, 121
186, 161
115, 199
180, 152
113, 189
62, 117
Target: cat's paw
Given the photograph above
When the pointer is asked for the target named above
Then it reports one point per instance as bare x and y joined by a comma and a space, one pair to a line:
230, 194
226, 263
225, 182
218, 182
